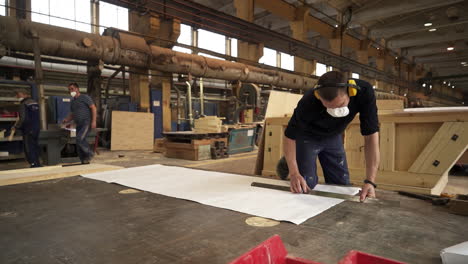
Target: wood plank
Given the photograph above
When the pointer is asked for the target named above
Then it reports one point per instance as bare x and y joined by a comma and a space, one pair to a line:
132, 131
39, 169
24, 176
444, 149
387, 146
410, 141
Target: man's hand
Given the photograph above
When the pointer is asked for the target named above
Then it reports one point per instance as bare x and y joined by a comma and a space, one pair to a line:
367, 191
298, 184
93, 124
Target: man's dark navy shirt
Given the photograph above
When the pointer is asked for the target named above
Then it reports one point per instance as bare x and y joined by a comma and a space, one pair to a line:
310, 118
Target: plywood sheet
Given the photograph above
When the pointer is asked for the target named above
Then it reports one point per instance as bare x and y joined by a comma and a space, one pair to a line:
280, 104
224, 190
132, 131
10, 177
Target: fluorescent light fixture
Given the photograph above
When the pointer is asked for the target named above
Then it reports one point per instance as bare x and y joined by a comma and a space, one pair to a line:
432, 29
428, 24
450, 48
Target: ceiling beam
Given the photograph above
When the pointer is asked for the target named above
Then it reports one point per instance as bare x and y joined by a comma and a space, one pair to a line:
448, 56
386, 9
390, 30
425, 38
439, 48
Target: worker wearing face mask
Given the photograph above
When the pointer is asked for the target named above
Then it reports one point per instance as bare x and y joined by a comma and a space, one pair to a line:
83, 113
316, 128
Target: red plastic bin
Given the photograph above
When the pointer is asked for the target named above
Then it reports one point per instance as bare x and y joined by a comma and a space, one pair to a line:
357, 257
271, 251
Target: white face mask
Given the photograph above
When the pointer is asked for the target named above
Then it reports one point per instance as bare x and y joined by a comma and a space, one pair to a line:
338, 112
73, 94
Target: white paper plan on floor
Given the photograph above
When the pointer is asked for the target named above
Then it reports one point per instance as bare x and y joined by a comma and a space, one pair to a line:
224, 190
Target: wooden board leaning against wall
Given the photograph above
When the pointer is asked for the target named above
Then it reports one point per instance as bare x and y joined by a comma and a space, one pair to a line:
418, 147
132, 131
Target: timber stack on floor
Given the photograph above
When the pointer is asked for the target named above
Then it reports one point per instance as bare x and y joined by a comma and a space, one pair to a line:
192, 145
418, 147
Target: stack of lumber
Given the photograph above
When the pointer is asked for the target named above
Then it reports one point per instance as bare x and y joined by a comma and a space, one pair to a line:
210, 124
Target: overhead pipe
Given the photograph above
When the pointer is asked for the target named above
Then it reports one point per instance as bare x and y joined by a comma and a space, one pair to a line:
128, 49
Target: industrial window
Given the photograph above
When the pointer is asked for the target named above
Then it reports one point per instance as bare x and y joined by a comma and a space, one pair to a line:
269, 57
355, 75
112, 16
234, 47
211, 41
320, 69
180, 49
71, 14
185, 36
2, 8
287, 61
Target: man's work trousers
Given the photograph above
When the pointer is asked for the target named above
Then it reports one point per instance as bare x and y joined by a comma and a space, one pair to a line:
332, 157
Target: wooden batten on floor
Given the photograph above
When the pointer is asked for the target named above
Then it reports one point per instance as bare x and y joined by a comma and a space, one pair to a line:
11, 177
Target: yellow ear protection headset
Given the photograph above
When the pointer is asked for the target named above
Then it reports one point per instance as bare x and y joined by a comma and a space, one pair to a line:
352, 87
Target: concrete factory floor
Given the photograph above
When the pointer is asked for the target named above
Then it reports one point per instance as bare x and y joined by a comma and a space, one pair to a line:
78, 220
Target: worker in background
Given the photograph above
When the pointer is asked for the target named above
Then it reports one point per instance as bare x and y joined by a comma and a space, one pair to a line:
316, 130
83, 113
28, 123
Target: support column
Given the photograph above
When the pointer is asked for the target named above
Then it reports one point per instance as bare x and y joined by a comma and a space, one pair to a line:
299, 31
162, 32
245, 50
94, 88
19, 9
95, 16
362, 53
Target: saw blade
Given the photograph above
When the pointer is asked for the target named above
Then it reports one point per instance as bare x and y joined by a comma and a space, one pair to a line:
347, 197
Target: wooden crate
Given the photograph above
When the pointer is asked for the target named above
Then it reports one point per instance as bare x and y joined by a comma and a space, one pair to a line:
417, 147
188, 151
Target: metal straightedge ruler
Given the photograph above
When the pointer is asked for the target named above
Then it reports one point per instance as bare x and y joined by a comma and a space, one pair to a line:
352, 198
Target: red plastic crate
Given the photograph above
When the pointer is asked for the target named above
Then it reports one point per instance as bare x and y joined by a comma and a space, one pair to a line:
271, 251
357, 257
